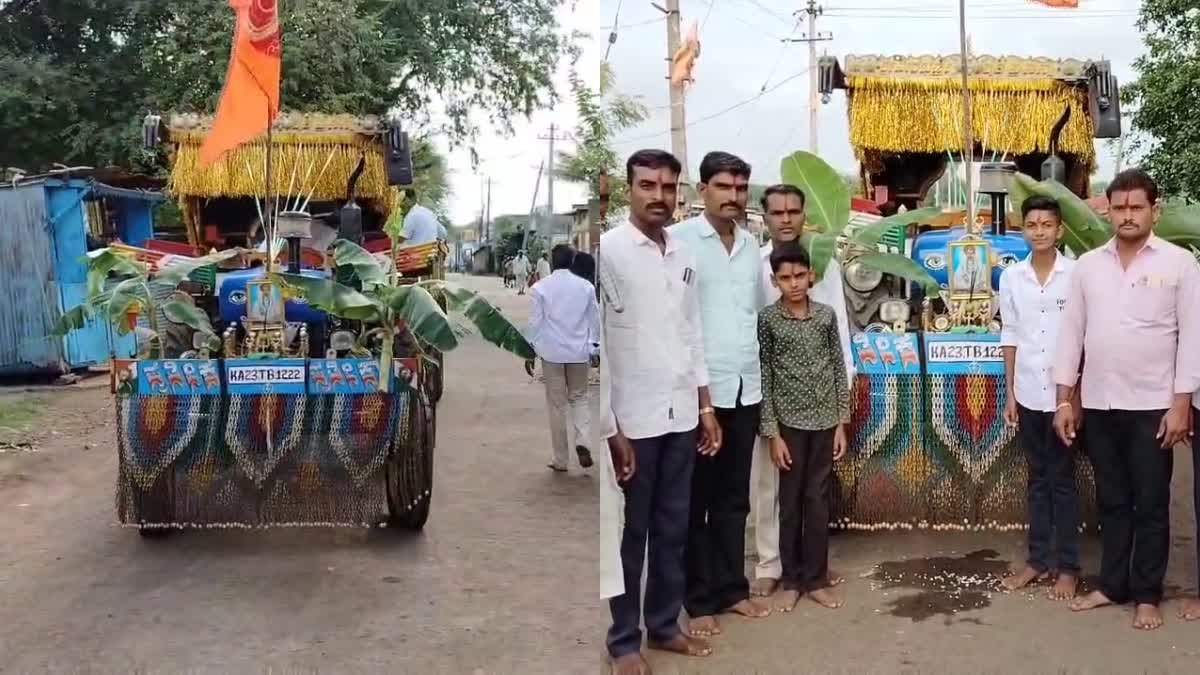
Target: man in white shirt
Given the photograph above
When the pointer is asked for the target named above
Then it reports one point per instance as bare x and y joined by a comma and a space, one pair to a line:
564, 329
421, 226
783, 213
1033, 294
730, 294
660, 414
520, 269
543, 267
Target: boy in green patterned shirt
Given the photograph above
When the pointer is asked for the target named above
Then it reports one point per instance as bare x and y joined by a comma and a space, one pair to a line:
805, 409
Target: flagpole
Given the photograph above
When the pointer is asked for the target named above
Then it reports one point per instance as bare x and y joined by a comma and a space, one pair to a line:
968, 141
269, 226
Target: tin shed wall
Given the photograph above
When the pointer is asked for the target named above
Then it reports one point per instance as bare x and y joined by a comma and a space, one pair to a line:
29, 303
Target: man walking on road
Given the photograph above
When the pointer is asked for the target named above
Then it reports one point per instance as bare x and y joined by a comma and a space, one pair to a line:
730, 295
564, 329
783, 213
1133, 316
660, 415
543, 268
520, 269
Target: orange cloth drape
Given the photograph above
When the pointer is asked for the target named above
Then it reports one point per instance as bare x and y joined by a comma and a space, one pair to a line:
250, 100
1057, 3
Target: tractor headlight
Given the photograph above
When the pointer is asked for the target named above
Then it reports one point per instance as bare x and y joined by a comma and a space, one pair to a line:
894, 311
862, 278
342, 340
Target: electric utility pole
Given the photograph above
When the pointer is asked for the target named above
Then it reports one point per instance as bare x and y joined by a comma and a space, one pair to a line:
551, 137
812, 37
678, 112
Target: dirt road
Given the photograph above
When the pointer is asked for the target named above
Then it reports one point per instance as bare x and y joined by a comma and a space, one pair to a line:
502, 580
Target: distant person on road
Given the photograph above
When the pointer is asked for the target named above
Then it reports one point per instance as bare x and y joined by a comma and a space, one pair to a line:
520, 268
1132, 318
564, 329
660, 415
543, 267
1033, 295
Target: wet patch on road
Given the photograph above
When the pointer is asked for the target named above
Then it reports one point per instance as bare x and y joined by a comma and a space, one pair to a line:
946, 585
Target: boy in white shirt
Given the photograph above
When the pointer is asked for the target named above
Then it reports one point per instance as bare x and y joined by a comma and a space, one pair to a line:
1033, 294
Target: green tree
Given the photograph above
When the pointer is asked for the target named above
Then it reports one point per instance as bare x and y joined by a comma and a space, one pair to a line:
80, 74
602, 114
1164, 95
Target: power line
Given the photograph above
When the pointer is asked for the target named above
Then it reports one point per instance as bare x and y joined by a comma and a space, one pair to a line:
976, 17
719, 113
612, 35
633, 24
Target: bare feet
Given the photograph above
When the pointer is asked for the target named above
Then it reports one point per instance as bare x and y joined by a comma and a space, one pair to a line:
1064, 587
826, 597
761, 588
1190, 610
631, 664
751, 609
787, 600
1147, 617
1092, 600
835, 578
703, 626
682, 644
1021, 579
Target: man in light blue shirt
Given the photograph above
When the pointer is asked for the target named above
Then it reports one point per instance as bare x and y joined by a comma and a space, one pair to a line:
421, 226
730, 294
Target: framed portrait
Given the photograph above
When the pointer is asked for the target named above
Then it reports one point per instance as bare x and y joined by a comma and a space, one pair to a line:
264, 302
970, 273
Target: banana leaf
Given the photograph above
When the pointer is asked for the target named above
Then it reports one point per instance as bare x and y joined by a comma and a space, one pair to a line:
826, 195
900, 266
365, 265
125, 296
868, 237
105, 260
188, 314
178, 269
331, 297
423, 316
821, 249
77, 317
489, 320
1084, 229
1180, 225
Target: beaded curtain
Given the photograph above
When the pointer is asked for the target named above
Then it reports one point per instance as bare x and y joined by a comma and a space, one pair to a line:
934, 452
258, 460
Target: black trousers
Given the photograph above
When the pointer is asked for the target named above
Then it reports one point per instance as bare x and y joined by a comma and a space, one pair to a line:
656, 511
1051, 493
804, 509
1133, 498
716, 549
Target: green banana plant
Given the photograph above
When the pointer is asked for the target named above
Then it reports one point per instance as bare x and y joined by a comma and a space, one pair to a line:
382, 303
137, 291
827, 207
1085, 229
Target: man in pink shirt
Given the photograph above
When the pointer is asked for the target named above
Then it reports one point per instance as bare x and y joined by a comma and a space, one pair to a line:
1132, 317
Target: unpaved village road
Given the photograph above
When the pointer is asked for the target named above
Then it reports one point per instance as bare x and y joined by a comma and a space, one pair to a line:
502, 580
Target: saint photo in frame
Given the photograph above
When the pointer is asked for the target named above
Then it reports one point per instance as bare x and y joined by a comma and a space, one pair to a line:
264, 302
970, 272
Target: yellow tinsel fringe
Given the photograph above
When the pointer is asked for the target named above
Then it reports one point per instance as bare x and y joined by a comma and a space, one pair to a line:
1007, 116
241, 172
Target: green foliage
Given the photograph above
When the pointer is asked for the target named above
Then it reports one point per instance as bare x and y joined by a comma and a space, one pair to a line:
602, 114
827, 198
510, 243
1163, 98
79, 75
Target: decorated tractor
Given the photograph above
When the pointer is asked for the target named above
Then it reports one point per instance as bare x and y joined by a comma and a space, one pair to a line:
286, 380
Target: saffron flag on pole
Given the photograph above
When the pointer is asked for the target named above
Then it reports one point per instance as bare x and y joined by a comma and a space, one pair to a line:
1058, 3
250, 99
684, 58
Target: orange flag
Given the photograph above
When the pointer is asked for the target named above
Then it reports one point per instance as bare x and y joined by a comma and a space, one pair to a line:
1058, 3
250, 100
685, 57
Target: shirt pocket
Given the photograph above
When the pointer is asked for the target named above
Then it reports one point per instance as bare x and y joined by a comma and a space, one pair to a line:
1153, 305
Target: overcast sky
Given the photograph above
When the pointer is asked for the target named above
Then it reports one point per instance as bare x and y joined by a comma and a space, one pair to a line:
741, 51
512, 161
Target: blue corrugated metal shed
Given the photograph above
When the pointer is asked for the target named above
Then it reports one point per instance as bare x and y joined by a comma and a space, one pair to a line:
43, 236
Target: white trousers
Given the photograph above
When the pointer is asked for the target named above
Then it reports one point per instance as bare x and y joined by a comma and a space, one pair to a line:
567, 399
764, 511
